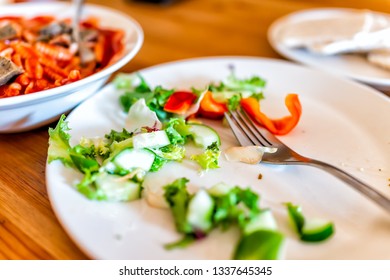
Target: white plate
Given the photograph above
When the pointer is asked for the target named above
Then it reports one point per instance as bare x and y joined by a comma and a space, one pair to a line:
350, 130
348, 65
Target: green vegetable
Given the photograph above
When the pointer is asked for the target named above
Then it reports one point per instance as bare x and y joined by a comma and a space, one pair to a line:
262, 221
136, 88
170, 152
116, 136
158, 163
153, 139
234, 102
177, 196
309, 230
232, 89
317, 230
209, 158
129, 159
203, 135
237, 206
260, 245
83, 158
195, 216
177, 130
59, 143
182, 243
200, 210
117, 188
99, 145
87, 187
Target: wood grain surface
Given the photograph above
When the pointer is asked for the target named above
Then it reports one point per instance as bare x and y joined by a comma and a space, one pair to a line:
185, 29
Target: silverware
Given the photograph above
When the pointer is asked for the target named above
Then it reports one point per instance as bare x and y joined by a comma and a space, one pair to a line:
85, 54
249, 134
78, 7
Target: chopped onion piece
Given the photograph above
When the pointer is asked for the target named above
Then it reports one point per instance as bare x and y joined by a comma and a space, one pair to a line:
141, 116
248, 154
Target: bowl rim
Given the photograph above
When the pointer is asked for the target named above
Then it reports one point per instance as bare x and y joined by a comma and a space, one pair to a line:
61, 91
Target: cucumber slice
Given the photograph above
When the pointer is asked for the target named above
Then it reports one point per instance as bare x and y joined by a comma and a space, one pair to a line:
200, 210
115, 188
129, 159
204, 135
263, 221
260, 245
155, 139
316, 230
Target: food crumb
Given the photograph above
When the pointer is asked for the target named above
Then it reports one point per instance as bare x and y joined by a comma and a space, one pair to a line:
260, 176
118, 236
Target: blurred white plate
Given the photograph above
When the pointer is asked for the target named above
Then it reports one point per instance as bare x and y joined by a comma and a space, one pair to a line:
353, 66
350, 130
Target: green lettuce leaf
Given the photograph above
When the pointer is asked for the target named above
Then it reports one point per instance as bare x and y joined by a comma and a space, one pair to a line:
177, 196
209, 158
59, 143
260, 245
177, 130
84, 159
232, 89
170, 152
136, 88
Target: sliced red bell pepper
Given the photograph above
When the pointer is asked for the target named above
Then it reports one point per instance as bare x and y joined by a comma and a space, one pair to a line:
209, 108
280, 126
179, 102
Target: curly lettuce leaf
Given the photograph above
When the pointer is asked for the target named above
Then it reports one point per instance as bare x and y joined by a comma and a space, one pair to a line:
170, 152
59, 143
99, 145
177, 130
209, 158
117, 136
232, 89
84, 159
236, 206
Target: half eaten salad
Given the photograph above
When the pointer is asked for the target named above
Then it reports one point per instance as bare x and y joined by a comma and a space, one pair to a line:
160, 125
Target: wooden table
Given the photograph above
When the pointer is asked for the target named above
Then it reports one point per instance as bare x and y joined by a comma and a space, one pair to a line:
186, 29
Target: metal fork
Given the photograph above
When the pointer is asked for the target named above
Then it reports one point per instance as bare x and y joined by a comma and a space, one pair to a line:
249, 134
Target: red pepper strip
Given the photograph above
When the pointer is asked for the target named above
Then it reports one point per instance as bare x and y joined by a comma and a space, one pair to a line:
179, 102
209, 108
279, 126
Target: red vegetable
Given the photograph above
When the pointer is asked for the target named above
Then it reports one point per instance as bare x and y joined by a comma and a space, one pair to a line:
210, 108
179, 102
279, 126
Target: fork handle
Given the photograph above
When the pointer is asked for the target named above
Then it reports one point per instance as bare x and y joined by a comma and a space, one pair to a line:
365, 189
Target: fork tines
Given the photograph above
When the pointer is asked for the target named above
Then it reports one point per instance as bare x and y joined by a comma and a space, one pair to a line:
246, 131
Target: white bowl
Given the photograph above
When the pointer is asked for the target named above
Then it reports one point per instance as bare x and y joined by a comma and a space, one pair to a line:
26, 112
